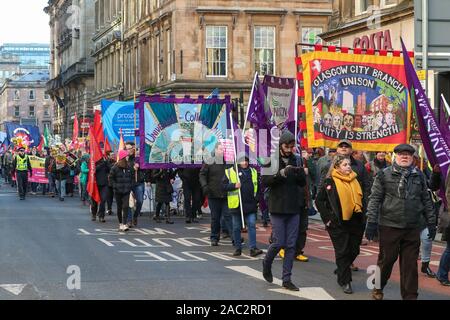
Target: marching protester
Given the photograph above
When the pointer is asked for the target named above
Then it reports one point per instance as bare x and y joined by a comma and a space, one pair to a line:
164, 190
211, 176
247, 185
192, 192
20, 167
102, 170
377, 164
84, 174
444, 263
285, 205
49, 173
34, 185
122, 180
323, 165
401, 192
139, 178
7, 163
62, 171
112, 159
340, 203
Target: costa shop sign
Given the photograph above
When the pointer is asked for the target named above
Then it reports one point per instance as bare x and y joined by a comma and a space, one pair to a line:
380, 40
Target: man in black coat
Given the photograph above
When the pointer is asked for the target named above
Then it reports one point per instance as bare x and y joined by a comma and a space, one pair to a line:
192, 192
398, 203
102, 169
211, 176
286, 200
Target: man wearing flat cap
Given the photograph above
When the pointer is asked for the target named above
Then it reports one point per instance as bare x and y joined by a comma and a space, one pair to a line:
397, 204
21, 166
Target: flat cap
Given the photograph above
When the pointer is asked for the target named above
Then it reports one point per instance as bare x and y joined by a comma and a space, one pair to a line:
345, 141
405, 148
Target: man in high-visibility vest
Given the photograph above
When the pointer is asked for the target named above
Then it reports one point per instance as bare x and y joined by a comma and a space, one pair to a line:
248, 185
21, 166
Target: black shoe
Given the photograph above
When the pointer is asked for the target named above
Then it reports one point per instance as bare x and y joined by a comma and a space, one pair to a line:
255, 252
109, 212
335, 271
194, 221
265, 224
102, 220
214, 243
237, 253
267, 273
290, 286
22, 198
135, 222
445, 283
188, 221
169, 221
93, 218
427, 271
347, 288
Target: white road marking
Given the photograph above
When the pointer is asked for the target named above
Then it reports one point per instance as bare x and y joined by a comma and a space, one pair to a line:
15, 289
310, 293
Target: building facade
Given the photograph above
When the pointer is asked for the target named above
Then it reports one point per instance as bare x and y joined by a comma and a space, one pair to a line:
32, 56
107, 51
192, 47
24, 100
71, 65
9, 66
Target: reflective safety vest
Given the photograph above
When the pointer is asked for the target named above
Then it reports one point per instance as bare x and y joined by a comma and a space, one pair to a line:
22, 163
233, 196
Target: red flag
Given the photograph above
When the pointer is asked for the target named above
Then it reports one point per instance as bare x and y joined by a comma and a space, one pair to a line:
95, 155
107, 145
41, 144
76, 131
98, 127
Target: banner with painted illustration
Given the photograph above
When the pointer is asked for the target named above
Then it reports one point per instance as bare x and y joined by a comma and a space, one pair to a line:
362, 98
181, 132
118, 115
26, 136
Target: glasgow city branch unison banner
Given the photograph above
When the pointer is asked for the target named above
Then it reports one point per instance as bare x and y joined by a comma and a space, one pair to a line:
362, 98
22, 135
179, 133
118, 115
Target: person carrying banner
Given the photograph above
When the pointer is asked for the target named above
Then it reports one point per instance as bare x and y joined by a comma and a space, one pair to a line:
247, 184
139, 178
112, 159
122, 180
21, 166
285, 205
340, 205
211, 176
191, 191
401, 192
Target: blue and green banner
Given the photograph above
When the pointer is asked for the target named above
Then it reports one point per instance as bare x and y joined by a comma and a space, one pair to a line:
118, 115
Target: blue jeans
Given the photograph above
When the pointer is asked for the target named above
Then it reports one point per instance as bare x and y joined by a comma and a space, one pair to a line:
444, 264
425, 246
138, 191
61, 187
250, 219
219, 208
285, 232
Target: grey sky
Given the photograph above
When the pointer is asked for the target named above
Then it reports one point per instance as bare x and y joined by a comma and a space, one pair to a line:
24, 21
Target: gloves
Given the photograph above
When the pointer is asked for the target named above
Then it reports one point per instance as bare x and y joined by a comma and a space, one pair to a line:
371, 230
431, 232
287, 171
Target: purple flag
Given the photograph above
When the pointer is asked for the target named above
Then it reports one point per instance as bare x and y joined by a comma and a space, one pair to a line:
444, 123
434, 143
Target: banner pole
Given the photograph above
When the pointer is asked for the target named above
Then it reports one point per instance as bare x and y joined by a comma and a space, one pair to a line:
237, 171
135, 139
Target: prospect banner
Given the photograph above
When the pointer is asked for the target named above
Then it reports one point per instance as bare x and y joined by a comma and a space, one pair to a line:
118, 115
362, 98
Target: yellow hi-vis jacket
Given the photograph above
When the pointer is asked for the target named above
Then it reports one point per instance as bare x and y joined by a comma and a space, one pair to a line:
22, 163
233, 196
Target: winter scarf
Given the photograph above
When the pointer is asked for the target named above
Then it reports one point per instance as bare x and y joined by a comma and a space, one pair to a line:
350, 193
405, 172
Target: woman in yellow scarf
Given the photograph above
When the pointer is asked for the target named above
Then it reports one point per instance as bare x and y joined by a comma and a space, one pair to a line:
340, 205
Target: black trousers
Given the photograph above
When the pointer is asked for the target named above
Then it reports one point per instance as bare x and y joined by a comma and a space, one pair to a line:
110, 198
22, 182
403, 243
99, 208
346, 239
158, 209
192, 199
123, 204
303, 226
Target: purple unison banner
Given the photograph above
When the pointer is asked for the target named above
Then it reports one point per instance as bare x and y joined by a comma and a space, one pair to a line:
434, 143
